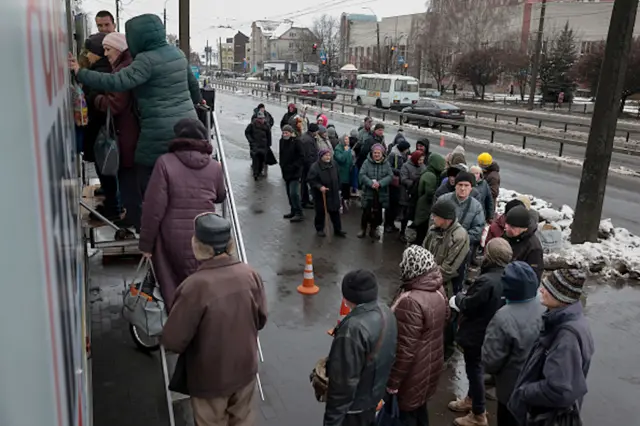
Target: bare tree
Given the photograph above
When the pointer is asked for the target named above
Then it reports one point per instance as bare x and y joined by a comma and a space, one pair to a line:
327, 28
304, 49
437, 46
481, 67
518, 66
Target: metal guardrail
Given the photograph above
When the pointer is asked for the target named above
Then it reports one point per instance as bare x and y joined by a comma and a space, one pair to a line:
401, 116
580, 123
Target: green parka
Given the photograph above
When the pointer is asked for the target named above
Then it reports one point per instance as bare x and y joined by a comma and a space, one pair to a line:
429, 183
380, 171
344, 158
162, 82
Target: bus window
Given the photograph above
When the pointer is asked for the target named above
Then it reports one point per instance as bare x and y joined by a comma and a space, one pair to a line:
378, 85
412, 86
386, 85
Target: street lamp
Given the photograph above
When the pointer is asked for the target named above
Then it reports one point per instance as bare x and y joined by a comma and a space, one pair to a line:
377, 37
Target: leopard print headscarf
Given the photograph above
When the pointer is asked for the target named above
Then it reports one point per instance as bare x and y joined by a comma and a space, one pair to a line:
416, 261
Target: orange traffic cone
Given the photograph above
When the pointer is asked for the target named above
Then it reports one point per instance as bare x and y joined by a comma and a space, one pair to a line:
308, 285
344, 311
441, 140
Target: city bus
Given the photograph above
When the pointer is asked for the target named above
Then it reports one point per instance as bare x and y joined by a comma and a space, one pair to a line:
386, 90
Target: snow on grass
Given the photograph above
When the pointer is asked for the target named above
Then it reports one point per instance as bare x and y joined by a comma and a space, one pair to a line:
616, 254
470, 140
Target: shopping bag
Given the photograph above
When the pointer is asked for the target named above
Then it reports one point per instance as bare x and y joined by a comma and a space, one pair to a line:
106, 148
80, 110
319, 380
143, 305
271, 159
390, 413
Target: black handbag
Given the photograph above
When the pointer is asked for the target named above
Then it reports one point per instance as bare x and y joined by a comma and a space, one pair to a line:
178, 381
562, 417
271, 159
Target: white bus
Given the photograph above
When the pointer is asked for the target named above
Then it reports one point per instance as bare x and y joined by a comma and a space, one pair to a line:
386, 90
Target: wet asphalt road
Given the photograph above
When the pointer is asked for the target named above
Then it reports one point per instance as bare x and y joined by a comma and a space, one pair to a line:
295, 337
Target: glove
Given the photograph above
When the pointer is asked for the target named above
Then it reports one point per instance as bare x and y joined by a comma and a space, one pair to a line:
452, 303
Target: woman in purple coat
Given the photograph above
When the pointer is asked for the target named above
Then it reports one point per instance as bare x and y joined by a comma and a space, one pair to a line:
185, 182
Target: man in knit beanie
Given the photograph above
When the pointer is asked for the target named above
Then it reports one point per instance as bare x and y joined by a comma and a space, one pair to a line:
362, 354
477, 306
520, 320
520, 232
291, 165
555, 373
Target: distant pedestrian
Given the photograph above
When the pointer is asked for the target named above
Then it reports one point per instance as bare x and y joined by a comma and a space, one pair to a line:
374, 138
511, 334
491, 171
324, 180
421, 310
484, 193
310, 151
343, 155
375, 178
291, 165
477, 306
520, 231
267, 116
426, 191
410, 174
292, 111
362, 354
322, 139
554, 377
333, 136
258, 133
397, 157
221, 362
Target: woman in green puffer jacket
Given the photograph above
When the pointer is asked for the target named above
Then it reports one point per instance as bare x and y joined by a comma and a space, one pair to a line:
343, 156
375, 177
162, 83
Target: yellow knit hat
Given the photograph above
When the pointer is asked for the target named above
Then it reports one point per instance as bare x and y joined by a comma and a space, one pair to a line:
485, 159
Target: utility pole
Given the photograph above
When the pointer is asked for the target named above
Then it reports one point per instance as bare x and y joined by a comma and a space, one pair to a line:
206, 57
536, 59
183, 30
118, 15
220, 52
164, 17
603, 122
379, 52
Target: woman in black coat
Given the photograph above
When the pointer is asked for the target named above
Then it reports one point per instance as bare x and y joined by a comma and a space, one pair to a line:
324, 181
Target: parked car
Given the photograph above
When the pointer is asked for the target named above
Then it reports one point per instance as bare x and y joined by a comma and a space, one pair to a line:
320, 92
431, 108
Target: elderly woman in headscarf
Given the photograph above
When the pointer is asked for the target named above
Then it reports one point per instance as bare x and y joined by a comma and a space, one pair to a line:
477, 306
322, 139
421, 312
324, 180
121, 106
375, 177
185, 183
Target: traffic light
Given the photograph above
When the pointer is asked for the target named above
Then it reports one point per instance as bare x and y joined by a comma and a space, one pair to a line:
324, 62
393, 48
315, 48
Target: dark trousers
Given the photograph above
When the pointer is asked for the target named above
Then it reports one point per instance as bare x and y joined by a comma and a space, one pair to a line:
421, 233
366, 418
475, 376
391, 213
505, 418
417, 417
143, 175
257, 163
370, 219
109, 185
293, 194
345, 191
130, 195
306, 199
450, 335
320, 217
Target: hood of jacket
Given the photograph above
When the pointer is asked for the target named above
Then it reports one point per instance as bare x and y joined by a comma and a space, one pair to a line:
457, 158
430, 281
399, 138
494, 167
193, 153
145, 33
436, 163
331, 132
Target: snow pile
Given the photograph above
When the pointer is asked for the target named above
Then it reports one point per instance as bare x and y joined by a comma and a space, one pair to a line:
616, 254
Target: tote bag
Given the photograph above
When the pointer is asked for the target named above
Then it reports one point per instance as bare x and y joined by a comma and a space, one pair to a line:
106, 148
143, 305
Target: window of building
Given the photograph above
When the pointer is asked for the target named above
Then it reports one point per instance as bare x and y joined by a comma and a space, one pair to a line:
292, 35
291, 45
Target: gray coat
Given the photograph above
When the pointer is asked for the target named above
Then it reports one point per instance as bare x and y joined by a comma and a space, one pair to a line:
470, 216
409, 177
507, 343
485, 198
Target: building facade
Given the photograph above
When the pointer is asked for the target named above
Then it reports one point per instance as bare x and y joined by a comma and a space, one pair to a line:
280, 41
226, 54
240, 43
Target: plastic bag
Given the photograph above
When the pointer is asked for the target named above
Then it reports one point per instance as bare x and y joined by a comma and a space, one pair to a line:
105, 149
80, 110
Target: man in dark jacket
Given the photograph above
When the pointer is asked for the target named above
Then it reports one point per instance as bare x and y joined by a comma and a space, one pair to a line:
310, 152
163, 83
258, 133
477, 306
511, 334
268, 118
291, 164
520, 231
554, 377
221, 362
377, 137
362, 354
491, 171
292, 110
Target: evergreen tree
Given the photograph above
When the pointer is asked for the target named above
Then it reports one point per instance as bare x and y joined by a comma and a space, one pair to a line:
556, 67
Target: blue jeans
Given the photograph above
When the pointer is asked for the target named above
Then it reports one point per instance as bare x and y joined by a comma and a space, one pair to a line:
293, 194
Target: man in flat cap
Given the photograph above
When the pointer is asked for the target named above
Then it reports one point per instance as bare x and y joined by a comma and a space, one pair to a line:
214, 322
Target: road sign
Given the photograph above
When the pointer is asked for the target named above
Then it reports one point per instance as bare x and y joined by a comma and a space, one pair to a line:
196, 71
401, 60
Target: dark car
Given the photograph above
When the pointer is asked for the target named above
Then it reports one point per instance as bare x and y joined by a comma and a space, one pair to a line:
430, 108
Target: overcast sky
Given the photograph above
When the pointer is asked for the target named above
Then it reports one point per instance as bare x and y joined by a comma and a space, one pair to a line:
240, 13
